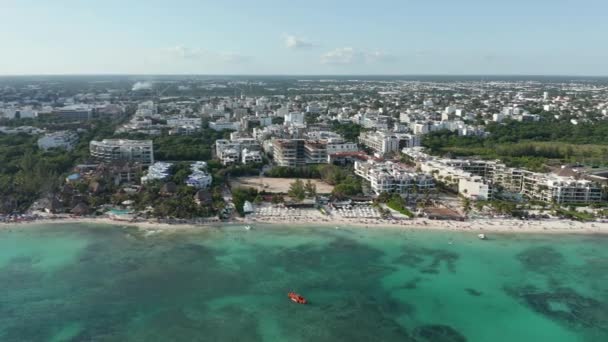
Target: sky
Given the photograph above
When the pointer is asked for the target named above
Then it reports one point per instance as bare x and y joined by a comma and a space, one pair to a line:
293, 37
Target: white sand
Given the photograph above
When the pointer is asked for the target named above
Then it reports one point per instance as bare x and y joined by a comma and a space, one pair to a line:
315, 218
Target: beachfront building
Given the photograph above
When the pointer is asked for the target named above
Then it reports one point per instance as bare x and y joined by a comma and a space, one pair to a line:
478, 179
65, 140
199, 178
476, 188
393, 177
560, 190
157, 171
111, 150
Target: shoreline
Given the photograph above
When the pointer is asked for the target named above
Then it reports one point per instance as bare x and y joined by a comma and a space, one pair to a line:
419, 224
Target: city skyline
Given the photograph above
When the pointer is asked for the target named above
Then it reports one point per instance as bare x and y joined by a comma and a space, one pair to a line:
318, 38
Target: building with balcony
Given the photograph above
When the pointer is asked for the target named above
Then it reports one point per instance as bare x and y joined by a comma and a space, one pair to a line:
112, 150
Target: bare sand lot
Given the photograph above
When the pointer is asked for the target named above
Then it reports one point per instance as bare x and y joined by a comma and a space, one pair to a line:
276, 185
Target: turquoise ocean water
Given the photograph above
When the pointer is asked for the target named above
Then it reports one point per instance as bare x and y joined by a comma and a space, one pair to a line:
103, 283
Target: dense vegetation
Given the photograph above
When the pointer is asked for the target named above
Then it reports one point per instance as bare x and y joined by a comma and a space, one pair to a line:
350, 131
397, 203
241, 195
27, 172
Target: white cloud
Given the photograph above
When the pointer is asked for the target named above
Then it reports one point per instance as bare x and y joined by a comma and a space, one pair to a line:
293, 42
349, 55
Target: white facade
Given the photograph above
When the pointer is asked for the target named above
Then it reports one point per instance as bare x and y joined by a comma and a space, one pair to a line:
294, 118
199, 178
157, 171
380, 142
224, 125
475, 188
392, 177
250, 157
229, 152
109, 150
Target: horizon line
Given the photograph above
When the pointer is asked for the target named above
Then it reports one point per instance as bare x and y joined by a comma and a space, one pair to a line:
299, 75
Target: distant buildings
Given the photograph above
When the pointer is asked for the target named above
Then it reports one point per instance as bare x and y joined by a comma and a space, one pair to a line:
63, 140
69, 113
222, 125
110, 150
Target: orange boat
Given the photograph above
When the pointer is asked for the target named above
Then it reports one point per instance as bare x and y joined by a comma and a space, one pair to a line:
296, 298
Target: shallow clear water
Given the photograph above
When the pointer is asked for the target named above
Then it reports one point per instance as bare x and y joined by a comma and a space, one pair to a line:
101, 283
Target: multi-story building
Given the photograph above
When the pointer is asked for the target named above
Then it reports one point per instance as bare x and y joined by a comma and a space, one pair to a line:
393, 177
380, 142
222, 125
69, 113
295, 118
229, 152
289, 152
64, 140
478, 179
476, 188
560, 190
251, 157
111, 150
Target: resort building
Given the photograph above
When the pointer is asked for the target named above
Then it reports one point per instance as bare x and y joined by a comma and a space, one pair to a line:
157, 171
199, 178
478, 179
392, 177
110, 150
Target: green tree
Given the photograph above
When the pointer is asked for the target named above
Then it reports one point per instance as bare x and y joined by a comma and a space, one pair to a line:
311, 188
297, 190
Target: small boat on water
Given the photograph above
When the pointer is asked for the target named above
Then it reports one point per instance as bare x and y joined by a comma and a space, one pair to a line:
296, 298
481, 236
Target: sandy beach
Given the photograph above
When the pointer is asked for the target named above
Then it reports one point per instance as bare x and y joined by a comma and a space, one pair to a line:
315, 218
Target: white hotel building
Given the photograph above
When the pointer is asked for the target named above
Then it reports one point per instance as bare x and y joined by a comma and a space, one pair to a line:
391, 177
111, 150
